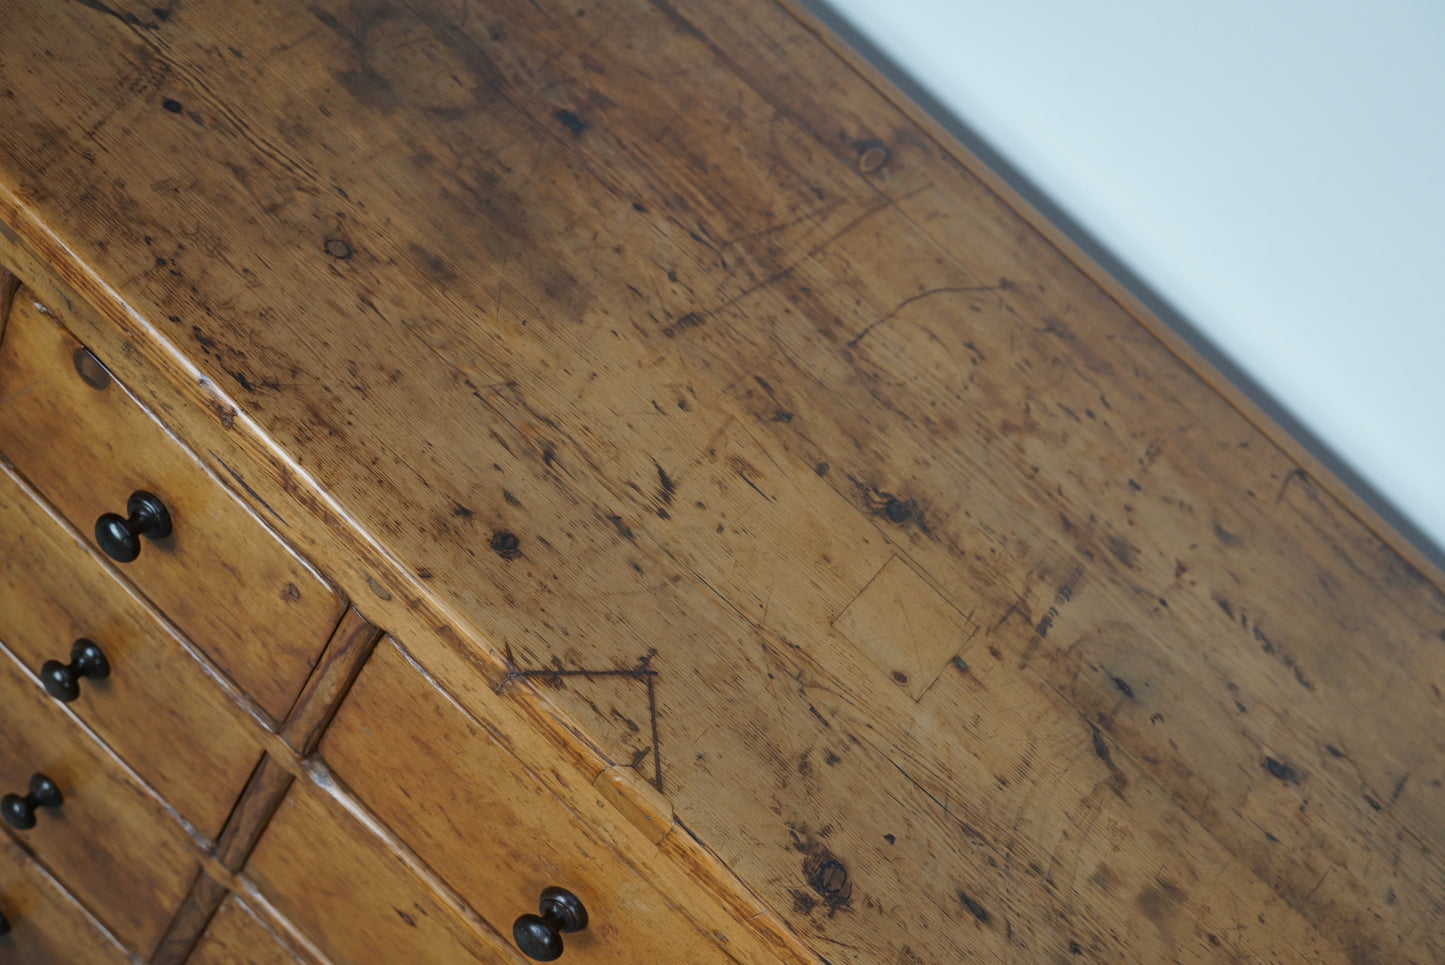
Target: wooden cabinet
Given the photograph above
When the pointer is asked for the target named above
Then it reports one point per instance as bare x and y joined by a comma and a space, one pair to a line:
488, 827
114, 845
255, 608
40, 924
627, 449
361, 900
155, 700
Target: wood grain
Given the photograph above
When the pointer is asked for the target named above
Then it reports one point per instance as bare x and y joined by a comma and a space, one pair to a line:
254, 808
340, 884
111, 843
237, 935
615, 359
157, 697
46, 924
190, 921
253, 606
340, 662
9, 284
478, 818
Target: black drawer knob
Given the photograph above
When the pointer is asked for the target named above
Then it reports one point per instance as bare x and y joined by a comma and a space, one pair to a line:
4, 924
119, 537
62, 680
19, 812
540, 936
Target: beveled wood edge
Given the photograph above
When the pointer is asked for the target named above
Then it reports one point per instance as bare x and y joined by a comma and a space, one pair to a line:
9, 284
353, 556
1187, 354
190, 922
262, 795
322, 781
346, 652
287, 935
19, 261
258, 802
351, 643
646, 813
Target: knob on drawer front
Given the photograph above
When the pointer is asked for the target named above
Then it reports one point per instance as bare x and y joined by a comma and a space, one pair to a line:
119, 537
19, 812
62, 681
540, 936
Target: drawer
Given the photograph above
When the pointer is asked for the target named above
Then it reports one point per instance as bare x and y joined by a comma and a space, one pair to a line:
232, 587
111, 843
42, 924
154, 699
473, 812
357, 899
236, 934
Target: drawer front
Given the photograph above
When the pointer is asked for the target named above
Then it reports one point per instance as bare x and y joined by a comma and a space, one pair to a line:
472, 811
42, 924
112, 844
154, 699
235, 934
352, 895
240, 594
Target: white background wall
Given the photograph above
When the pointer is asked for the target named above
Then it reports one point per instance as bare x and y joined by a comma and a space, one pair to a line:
1274, 170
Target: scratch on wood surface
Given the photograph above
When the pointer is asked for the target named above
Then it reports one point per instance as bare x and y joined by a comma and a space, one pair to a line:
18, 394
246, 486
950, 289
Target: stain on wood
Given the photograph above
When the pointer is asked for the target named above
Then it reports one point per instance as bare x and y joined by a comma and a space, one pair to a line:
740, 337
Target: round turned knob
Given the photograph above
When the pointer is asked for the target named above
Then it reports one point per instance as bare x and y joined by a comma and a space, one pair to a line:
119, 537
540, 936
19, 812
62, 680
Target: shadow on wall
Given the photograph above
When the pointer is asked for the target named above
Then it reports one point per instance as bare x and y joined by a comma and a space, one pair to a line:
1105, 258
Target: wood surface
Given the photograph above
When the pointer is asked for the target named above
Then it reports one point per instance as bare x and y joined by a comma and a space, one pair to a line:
111, 843
652, 368
254, 808
157, 697
190, 921
47, 927
9, 284
236, 935
353, 896
246, 600
286, 931
478, 817
340, 662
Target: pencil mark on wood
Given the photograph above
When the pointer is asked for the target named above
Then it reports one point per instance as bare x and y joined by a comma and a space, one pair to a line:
946, 290
642, 673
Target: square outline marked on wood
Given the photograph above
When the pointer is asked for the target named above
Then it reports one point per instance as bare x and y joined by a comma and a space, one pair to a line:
905, 626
